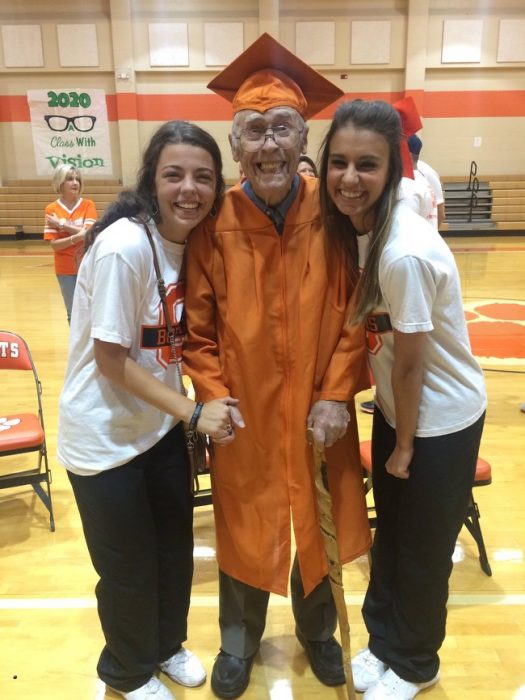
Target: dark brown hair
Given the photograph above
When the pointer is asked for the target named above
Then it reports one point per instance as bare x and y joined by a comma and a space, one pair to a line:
138, 204
382, 118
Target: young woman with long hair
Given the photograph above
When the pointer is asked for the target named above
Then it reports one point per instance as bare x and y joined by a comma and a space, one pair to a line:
430, 396
122, 411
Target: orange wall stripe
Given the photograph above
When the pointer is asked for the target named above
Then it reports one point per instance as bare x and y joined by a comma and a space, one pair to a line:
125, 106
14, 108
195, 107
487, 103
206, 107
111, 104
387, 96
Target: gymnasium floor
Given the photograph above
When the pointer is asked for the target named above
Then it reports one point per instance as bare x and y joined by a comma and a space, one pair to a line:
49, 631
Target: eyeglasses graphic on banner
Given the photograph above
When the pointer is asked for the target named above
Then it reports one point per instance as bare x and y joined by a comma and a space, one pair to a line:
71, 127
81, 122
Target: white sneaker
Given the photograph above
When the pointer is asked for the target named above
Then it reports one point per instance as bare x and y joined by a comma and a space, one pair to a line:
367, 669
152, 690
184, 668
393, 687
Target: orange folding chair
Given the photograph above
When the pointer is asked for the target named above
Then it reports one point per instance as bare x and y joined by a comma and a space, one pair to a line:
22, 433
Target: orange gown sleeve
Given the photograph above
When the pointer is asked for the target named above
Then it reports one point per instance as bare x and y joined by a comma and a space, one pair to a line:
348, 367
202, 363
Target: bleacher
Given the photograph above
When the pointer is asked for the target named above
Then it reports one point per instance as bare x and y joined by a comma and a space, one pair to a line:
498, 204
22, 204
508, 202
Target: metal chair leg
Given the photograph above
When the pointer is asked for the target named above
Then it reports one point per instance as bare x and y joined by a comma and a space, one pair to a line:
473, 526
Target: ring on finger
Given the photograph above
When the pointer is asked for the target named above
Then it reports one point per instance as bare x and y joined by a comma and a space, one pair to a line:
229, 429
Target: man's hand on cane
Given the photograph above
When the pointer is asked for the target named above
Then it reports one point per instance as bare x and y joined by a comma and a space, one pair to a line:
328, 421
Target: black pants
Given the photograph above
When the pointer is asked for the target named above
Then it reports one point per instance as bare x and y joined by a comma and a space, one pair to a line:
137, 521
243, 608
418, 521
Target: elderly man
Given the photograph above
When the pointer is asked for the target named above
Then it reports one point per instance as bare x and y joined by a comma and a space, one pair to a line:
267, 309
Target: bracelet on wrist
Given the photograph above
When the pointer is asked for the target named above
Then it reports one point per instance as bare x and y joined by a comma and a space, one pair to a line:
195, 417
191, 433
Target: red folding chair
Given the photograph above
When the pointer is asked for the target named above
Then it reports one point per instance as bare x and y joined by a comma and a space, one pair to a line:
22, 433
483, 477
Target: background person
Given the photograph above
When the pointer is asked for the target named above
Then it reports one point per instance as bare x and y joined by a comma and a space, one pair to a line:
66, 221
267, 324
414, 146
306, 166
430, 397
417, 195
120, 432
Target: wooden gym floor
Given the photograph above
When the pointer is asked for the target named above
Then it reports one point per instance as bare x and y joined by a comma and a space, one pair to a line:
49, 631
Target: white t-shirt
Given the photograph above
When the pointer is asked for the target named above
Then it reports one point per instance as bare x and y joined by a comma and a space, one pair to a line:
418, 195
421, 293
101, 425
433, 178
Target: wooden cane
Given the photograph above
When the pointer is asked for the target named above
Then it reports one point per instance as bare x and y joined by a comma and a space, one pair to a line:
335, 571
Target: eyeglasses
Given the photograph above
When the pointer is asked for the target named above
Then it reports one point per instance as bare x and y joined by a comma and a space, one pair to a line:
82, 122
253, 138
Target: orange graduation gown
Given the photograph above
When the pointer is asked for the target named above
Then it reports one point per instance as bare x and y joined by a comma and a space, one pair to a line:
267, 325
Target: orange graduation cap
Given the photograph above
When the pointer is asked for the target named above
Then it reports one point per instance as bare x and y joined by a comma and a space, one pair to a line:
410, 123
267, 75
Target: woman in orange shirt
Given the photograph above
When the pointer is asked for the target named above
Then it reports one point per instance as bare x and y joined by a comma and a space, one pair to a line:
66, 221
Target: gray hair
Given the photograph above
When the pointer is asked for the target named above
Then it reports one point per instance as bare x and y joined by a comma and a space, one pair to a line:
301, 124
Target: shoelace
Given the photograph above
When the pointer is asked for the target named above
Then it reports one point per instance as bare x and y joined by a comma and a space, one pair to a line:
181, 657
373, 662
394, 684
153, 686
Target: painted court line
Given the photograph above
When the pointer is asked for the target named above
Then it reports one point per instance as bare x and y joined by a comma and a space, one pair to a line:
455, 249
27, 255
462, 599
488, 249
